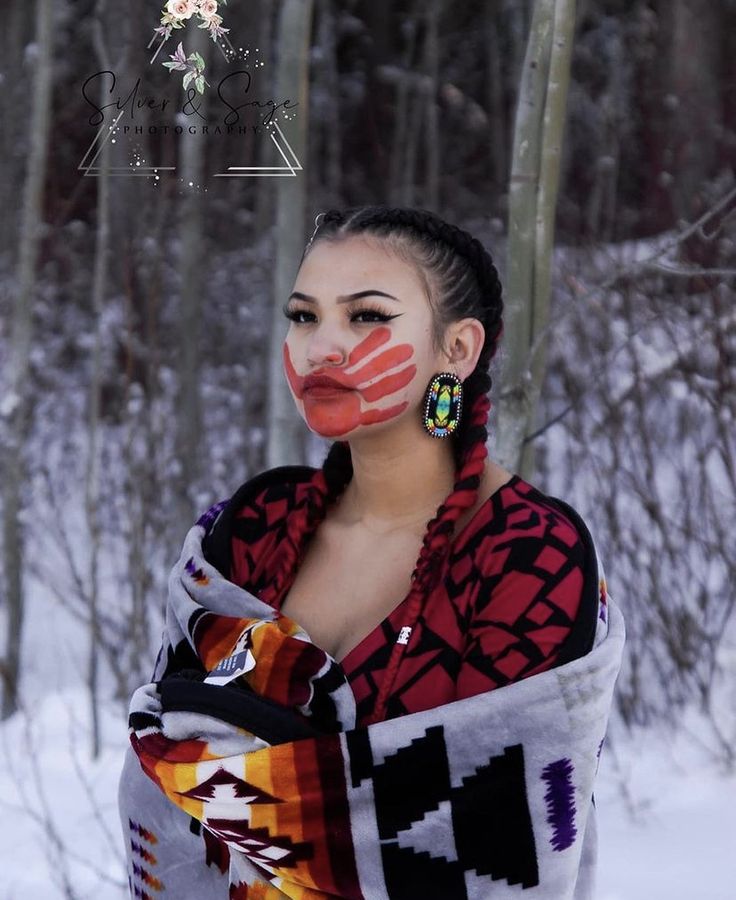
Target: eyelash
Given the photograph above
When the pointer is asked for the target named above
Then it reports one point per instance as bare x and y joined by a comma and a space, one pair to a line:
292, 314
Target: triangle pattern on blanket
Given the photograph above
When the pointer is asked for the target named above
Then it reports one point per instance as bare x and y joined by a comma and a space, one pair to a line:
260, 845
461, 800
493, 838
225, 785
423, 834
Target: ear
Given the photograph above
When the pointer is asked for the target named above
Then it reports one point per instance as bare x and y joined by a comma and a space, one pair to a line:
464, 342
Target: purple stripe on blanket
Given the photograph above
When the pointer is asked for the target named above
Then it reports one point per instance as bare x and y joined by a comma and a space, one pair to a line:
196, 573
560, 803
208, 517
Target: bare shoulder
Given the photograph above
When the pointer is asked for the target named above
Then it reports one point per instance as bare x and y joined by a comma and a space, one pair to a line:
494, 477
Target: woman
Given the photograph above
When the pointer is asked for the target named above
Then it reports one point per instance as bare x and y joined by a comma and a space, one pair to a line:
410, 580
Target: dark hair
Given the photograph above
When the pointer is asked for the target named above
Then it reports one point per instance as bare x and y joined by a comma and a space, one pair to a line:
461, 281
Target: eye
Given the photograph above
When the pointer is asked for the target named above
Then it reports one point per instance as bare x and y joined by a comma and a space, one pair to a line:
374, 315
377, 315
294, 314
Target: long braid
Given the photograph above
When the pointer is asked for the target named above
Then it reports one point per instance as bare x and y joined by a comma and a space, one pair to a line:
470, 443
323, 488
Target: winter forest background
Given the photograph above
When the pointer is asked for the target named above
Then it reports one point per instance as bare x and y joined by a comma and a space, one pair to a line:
140, 375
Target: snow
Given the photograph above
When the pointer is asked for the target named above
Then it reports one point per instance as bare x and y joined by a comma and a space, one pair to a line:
60, 831
666, 807
666, 811
8, 404
674, 837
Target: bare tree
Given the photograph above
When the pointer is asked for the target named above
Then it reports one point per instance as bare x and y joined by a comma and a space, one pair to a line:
401, 172
327, 130
191, 264
495, 93
283, 427
92, 475
694, 102
433, 133
18, 20
642, 369
16, 401
538, 132
263, 145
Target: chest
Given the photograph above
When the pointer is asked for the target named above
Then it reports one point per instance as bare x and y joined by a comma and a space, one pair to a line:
347, 584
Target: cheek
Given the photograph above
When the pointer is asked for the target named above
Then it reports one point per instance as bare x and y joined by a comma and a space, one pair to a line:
296, 382
371, 379
386, 376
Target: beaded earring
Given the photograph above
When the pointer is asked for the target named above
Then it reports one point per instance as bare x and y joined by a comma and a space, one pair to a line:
443, 403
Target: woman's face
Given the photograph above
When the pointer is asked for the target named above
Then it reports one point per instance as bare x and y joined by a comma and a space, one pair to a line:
359, 317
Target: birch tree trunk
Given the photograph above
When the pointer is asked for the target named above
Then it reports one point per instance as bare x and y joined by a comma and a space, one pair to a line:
263, 145
495, 94
92, 480
433, 133
695, 127
414, 120
329, 129
397, 189
553, 129
535, 168
13, 44
191, 265
284, 427
15, 402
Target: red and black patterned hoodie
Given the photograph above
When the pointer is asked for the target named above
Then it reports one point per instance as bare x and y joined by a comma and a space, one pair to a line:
517, 594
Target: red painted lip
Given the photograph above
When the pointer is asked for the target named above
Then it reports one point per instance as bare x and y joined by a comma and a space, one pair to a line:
323, 382
326, 391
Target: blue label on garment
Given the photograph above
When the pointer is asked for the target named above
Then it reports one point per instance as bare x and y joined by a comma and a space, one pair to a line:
232, 667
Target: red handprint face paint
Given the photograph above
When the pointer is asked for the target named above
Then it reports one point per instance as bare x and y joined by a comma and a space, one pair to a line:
375, 370
352, 362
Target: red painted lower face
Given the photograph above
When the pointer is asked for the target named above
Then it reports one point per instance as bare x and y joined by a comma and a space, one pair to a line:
339, 412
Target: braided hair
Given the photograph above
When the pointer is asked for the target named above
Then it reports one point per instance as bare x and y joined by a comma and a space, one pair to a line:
461, 281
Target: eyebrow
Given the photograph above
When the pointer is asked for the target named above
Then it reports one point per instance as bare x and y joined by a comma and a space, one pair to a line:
346, 298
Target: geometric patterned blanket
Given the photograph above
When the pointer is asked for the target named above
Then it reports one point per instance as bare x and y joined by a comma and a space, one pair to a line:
247, 778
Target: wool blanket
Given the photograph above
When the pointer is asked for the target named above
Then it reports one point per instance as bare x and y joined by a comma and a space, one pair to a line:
247, 778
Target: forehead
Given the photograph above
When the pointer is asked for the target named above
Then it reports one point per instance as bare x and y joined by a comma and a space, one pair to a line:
356, 263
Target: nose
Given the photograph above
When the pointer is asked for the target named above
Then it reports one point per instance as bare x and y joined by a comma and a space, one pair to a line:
323, 351
332, 358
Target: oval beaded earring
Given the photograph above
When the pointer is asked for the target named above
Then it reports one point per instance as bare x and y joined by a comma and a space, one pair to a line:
443, 403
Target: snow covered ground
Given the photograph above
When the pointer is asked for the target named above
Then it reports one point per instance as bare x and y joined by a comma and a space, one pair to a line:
58, 816
667, 822
666, 814
672, 839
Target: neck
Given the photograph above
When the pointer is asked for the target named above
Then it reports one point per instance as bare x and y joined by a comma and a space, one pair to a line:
400, 477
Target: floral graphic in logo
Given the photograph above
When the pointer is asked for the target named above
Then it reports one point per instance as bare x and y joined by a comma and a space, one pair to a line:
176, 15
